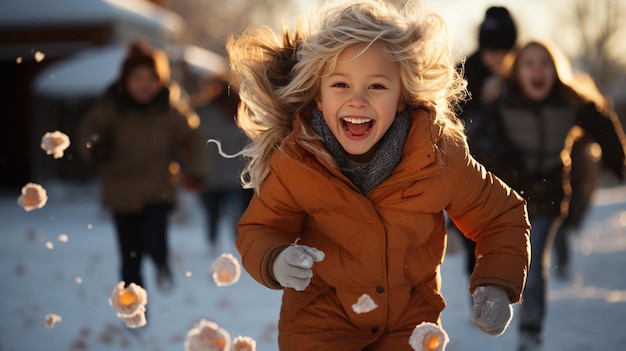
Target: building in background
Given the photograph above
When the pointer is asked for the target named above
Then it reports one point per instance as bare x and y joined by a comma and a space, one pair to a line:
56, 57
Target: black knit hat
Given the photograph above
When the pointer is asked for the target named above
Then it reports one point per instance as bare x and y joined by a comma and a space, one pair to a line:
498, 30
140, 53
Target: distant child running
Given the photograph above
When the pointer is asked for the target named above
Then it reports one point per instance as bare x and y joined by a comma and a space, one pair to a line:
355, 155
526, 137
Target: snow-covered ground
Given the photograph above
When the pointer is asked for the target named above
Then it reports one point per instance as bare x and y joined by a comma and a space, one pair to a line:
40, 273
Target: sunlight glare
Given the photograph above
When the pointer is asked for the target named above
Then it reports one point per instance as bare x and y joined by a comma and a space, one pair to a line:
586, 248
614, 296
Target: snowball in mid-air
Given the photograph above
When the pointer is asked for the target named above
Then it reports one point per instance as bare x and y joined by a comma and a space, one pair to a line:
207, 336
364, 304
33, 196
55, 143
130, 304
39, 56
128, 300
52, 319
243, 343
226, 270
428, 337
136, 320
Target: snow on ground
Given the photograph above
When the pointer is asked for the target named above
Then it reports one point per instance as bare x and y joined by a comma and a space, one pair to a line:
583, 315
42, 273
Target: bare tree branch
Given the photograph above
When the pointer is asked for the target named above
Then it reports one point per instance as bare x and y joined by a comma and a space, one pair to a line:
600, 28
210, 22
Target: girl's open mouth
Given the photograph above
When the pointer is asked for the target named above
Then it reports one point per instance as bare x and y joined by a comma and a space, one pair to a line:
357, 126
537, 83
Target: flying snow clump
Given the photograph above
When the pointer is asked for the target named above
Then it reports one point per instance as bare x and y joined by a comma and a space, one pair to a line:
52, 319
39, 56
207, 336
55, 143
33, 196
226, 270
428, 337
130, 304
243, 343
364, 304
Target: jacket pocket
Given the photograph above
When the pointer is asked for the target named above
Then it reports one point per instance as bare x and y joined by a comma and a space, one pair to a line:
295, 301
429, 294
427, 302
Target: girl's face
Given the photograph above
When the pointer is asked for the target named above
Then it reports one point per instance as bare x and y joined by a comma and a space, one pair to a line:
142, 84
535, 72
360, 98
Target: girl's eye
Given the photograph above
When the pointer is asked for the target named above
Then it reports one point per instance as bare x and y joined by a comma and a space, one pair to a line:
377, 86
339, 85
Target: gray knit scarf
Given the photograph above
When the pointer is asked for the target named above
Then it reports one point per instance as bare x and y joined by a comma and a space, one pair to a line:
367, 176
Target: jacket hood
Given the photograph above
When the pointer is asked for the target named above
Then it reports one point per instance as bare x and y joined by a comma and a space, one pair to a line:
124, 103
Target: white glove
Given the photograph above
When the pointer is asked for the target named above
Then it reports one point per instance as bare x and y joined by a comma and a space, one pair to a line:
292, 267
491, 310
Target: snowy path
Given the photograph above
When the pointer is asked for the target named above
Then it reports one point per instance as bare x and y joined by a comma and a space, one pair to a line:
41, 274
586, 315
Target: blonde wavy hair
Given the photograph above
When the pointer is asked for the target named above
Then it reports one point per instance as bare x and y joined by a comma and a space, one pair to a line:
278, 75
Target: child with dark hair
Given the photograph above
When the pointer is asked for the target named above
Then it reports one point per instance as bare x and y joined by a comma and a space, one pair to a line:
497, 37
526, 138
135, 135
224, 199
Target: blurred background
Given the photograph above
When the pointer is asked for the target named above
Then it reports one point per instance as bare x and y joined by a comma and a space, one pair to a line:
57, 56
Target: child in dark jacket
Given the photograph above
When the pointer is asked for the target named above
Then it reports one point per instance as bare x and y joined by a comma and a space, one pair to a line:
527, 138
497, 38
136, 135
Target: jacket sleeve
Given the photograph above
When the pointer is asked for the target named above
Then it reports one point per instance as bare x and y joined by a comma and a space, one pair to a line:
271, 222
608, 132
95, 133
493, 215
191, 141
491, 146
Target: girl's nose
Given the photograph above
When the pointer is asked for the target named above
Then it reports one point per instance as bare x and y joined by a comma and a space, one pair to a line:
358, 99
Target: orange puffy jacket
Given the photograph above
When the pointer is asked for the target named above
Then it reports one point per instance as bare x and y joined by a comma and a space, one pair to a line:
389, 244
